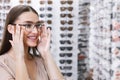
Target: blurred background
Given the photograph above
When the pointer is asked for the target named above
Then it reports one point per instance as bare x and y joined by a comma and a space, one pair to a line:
85, 40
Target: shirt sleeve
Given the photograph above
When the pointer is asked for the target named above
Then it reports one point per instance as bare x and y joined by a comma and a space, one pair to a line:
4, 74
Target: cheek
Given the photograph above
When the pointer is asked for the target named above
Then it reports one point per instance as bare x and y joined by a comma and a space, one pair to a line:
24, 36
40, 31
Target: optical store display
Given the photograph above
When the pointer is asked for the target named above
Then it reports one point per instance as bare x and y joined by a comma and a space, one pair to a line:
85, 37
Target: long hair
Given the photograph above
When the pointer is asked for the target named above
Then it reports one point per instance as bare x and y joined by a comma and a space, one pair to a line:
13, 14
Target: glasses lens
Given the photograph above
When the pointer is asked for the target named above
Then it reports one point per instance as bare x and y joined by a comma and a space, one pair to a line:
70, 8
65, 35
65, 61
63, 2
65, 67
49, 21
49, 8
49, 15
6, 1
29, 1
64, 8
67, 48
42, 8
64, 15
70, 28
70, 2
70, 35
39, 25
66, 28
42, 15
65, 54
50, 2
65, 41
64, 21
42, 2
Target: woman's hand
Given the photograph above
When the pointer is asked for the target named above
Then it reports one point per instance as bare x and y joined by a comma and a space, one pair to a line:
116, 25
17, 40
44, 42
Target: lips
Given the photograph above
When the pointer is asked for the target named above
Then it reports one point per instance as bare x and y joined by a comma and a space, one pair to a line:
32, 38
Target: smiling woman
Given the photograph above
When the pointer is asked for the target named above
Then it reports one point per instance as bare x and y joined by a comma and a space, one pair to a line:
25, 36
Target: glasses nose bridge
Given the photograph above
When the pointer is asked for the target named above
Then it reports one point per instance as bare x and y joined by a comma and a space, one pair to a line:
33, 28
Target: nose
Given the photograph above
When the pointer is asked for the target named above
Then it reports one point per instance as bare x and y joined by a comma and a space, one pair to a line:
34, 30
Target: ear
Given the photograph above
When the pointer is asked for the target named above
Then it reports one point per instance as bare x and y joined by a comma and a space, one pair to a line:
10, 28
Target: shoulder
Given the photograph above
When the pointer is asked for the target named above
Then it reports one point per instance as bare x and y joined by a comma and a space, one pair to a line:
3, 59
7, 63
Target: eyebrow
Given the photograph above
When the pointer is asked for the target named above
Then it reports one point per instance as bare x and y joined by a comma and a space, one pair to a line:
31, 22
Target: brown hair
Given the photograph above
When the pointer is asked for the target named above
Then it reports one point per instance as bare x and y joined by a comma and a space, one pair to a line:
14, 13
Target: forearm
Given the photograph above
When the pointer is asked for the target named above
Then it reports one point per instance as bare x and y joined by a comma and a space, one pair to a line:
53, 70
21, 70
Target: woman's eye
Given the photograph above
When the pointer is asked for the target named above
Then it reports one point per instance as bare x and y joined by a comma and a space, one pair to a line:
38, 25
28, 25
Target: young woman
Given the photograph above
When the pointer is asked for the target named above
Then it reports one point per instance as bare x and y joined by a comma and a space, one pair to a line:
24, 50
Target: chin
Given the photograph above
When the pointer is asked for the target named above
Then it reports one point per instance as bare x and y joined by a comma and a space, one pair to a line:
32, 44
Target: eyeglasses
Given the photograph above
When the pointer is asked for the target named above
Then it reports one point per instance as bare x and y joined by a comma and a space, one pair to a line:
5, 7
30, 26
21, 1
84, 23
67, 74
49, 21
66, 48
85, 12
48, 8
65, 61
82, 46
64, 2
49, 27
48, 15
65, 54
66, 35
82, 64
84, 17
6, 1
63, 22
28, 1
65, 41
85, 4
66, 15
66, 28
66, 8
43, 1
65, 67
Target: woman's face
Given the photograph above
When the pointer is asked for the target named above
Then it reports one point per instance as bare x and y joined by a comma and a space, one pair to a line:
30, 34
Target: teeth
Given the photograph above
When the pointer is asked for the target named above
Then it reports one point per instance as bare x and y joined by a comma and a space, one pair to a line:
32, 37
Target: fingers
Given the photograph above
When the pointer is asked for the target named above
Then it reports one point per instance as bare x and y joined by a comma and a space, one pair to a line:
116, 25
45, 35
22, 33
49, 32
45, 30
17, 34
